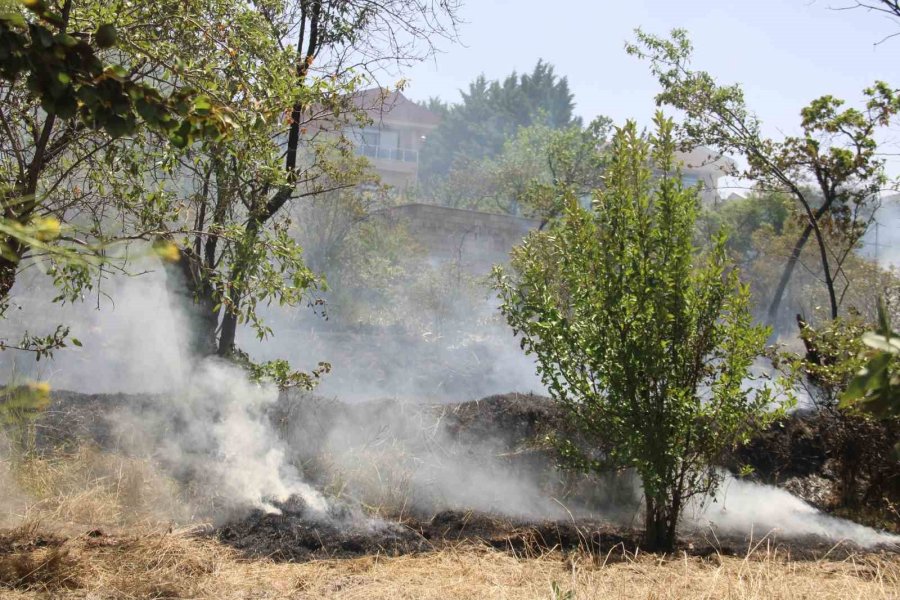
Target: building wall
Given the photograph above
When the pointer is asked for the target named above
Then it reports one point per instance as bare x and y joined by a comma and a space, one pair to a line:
409, 124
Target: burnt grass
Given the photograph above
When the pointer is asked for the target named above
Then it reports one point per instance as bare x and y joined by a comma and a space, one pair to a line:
295, 536
782, 455
299, 537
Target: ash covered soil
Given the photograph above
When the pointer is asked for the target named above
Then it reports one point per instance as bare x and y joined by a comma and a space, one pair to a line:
516, 424
294, 536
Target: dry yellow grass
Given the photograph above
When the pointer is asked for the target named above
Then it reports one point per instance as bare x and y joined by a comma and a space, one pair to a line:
61, 498
180, 565
87, 488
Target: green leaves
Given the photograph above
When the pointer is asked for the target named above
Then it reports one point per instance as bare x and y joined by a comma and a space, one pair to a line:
105, 36
876, 387
830, 171
492, 112
42, 346
202, 105
65, 72
871, 388
646, 341
280, 373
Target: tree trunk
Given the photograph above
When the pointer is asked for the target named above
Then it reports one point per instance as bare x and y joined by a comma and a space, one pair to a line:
228, 334
659, 526
228, 331
232, 308
812, 226
787, 273
185, 282
8, 269
26, 189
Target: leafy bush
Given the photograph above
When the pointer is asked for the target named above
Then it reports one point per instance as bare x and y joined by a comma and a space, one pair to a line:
646, 343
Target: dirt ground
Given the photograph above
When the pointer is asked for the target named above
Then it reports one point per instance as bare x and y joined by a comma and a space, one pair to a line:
182, 564
84, 522
296, 536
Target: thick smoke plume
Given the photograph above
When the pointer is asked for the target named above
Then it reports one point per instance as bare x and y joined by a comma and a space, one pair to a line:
206, 423
745, 507
214, 432
413, 458
209, 427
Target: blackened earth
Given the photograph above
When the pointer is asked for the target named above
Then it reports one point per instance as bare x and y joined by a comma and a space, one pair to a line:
297, 535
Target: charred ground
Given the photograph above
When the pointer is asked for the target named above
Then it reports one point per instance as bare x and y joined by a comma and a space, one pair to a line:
790, 454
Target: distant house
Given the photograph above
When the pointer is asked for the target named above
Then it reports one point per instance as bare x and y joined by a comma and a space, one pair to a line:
474, 240
397, 133
881, 242
400, 127
705, 166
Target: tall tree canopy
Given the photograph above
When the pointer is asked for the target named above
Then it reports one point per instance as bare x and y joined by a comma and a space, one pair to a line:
832, 170
491, 112
67, 105
285, 70
526, 177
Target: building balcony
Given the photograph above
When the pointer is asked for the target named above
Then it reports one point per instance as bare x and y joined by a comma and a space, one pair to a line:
384, 153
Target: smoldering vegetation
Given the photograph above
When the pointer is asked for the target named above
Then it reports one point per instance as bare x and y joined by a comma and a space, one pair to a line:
298, 475
384, 463
402, 478
389, 457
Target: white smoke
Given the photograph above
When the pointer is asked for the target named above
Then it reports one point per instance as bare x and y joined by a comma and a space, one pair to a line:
211, 428
476, 356
206, 422
214, 433
404, 457
743, 507
133, 339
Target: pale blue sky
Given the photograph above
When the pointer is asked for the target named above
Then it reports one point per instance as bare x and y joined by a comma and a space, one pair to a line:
784, 52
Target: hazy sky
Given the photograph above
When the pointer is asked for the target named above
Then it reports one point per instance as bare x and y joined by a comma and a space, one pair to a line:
784, 52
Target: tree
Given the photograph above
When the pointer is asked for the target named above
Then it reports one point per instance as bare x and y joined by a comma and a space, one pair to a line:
285, 71
327, 223
836, 353
763, 231
763, 269
491, 112
888, 7
237, 251
525, 178
832, 170
891, 8
64, 113
744, 219
645, 343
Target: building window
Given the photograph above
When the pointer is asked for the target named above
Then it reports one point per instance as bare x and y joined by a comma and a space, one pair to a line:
689, 180
381, 143
388, 139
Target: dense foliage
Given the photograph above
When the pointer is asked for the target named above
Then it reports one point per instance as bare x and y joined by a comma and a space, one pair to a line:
525, 177
154, 168
646, 343
491, 112
832, 170
763, 230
